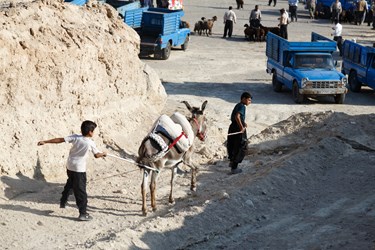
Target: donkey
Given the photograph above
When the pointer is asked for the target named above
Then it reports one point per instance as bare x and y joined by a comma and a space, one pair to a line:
149, 148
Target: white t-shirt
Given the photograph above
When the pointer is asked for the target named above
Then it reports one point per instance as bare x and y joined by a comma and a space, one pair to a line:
78, 153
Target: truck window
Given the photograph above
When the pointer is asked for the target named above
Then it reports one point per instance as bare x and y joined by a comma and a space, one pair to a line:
311, 61
357, 55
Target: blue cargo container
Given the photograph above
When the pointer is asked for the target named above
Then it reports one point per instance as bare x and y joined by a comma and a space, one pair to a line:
307, 68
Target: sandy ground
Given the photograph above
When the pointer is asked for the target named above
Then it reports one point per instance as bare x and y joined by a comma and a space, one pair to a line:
308, 180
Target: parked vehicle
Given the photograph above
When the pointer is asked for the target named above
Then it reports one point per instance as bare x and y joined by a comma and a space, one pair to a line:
349, 6
159, 29
358, 62
307, 68
76, 2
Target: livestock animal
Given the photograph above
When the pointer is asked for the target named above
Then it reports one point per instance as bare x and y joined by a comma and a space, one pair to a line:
184, 24
254, 34
208, 24
274, 30
198, 27
172, 158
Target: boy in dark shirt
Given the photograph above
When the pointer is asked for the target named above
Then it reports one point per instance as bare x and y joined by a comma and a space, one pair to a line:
237, 143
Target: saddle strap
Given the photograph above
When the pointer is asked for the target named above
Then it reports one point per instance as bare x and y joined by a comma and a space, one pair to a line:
176, 140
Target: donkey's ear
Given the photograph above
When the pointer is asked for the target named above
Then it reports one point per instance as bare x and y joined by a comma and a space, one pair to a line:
187, 105
204, 105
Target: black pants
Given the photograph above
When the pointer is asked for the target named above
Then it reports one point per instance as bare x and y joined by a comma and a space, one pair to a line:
338, 40
255, 23
293, 12
236, 145
373, 21
359, 17
228, 28
270, 1
335, 15
284, 31
239, 4
77, 182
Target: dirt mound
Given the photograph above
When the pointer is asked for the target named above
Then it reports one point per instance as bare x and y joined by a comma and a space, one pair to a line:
309, 181
62, 64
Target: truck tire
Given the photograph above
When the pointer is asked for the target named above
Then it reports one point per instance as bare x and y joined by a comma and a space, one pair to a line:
276, 85
186, 43
339, 99
166, 52
297, 97
354, 84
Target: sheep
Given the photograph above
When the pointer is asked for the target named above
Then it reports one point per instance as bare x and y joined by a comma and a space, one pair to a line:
208, 24
274, 30
254, 34
198, 27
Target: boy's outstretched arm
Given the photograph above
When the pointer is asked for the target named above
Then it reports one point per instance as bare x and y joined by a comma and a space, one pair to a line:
55, 140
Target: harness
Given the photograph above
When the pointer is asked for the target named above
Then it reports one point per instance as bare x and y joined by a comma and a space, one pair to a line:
155, 136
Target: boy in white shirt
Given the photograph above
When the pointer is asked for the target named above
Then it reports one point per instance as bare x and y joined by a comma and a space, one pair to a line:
76, 166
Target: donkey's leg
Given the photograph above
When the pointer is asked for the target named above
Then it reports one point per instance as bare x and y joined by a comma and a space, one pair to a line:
194, 170
174, 172
154, 176
144, 185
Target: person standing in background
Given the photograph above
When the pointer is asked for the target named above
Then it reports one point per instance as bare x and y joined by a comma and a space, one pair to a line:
337, 31
336, 10
283, 23
229, 19
311, 6
293, 6
255, 17
373, 14
270, 1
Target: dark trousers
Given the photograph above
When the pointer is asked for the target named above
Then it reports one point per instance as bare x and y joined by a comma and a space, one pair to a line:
359, 17
335, 15
228, 28
77, 182
239, 4
270, 1
293, 12
284, 31
373, 21
236, 145
338, 40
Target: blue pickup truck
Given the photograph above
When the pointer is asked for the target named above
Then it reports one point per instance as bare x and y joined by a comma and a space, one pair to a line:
159, 29
358, 62
307, 68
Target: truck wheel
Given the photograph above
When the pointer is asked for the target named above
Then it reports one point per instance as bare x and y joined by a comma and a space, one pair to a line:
186, 43
339, 99
354, 84
276, 85
297, 97
165, 53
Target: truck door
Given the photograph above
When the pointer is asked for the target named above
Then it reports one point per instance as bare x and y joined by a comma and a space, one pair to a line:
288, 62
371, 73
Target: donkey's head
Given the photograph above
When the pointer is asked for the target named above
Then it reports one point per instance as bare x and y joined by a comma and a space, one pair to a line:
198, 120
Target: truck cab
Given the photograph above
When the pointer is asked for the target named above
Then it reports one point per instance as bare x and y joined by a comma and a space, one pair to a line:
358, 62
306, 68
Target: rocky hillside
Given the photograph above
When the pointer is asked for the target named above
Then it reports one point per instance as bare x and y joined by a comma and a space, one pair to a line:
62, 64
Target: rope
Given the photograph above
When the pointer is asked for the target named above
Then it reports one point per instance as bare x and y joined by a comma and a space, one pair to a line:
134, 162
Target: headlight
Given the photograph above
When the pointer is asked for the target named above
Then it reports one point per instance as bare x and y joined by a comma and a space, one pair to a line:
344, 80
304, 81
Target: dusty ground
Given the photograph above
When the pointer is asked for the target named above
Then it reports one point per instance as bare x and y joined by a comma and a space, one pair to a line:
308, 181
